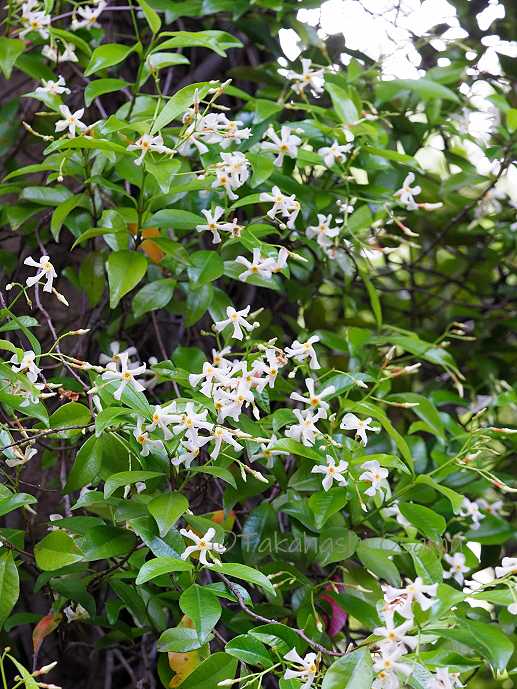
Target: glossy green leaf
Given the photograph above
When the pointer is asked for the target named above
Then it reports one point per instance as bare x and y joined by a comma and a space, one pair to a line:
167, 509
202, 607
57, 550
9, 586
125, 270
353, 671
106, 56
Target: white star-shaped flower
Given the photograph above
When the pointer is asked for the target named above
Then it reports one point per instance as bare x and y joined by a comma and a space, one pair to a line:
260, 266
303, 351
336, 152
285, 143
314, 399
58, 87
415, 590
406, 193
45, 270
458, 569
308, 77
332, 472
27, 365
143, 438
148, 143
308, 667
322, 231
204, 545
350, 422
70, 120
374, 474
125, 375
237, 319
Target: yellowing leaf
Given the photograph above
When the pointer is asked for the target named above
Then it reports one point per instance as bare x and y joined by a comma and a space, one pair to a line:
44, 627
185, 663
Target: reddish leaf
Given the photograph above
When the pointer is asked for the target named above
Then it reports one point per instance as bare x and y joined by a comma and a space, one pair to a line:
339, 616
44, 627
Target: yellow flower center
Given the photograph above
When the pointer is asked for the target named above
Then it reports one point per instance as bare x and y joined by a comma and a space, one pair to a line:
279, 199
156, 418
188, 422
127, 375
273, 372
331, 470
202, 544
142, 439
234, 316
213, 226
314, 401
283, 148
254, 269
47, 266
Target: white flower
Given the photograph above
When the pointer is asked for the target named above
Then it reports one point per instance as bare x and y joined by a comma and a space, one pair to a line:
70, 121
305, 430
415, 590
36, 21
224, 179
192, 451
213, 225
308, 77
270, 369
233, 133
471, 509
374, 474
314, 399
45, 270
148, 143
492, 509
21, 457
302, 351
259, 266
68, 56
350, 422
115, 355
211, 374
236, 164
230, 403
336, 152
389, 662
204, 545
512, 608
463, 120
322, 231
218, 357
281, 261
125, 375
406, 193
89, 16
267, 452
286, 143
191, 422
143, 438
489, 204
27, 365
332, 472
222, 434
394, 511
162, 417
237, 319
444, 679
457, 563
509, 566
77, 614
286, 204
393, 636
54, 518
308, 667
58, 87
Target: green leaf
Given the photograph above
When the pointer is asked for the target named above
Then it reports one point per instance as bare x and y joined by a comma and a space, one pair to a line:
161, 565
62, 211
220, 472
485, 639
100, 86
379, 563
363, 612
176, 106
249, 649
151, 16
233, 569
57, 550
326, 503
343, 104
74, 590
92, 276
71, 414
174, 249
71, 37
153, 296
82, 142
263, 168
10, 48
180, 640
279, 636
163, 172
353, 671
125, 270
133, 601
126, 478
215, 669
393, 155
198, 300
87, 465
374, 299
12, 502
511, 120
214, 40
46, 196
262, 521
202, 607
175, 219
263, 110
167, 509
455, 498
103, 542
427, 521
9, 584
296, 448
207, 266
426, 88
107, 55
427, 565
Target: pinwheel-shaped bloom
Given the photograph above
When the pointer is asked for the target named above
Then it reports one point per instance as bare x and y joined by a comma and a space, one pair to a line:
389, 663
509, 566
144, 439
270, 368
211, 374
212, 218
192, 451
89, 16
237, 319
406, 193
58, 87
281, 261
45, 270
68, 56
336, 152
162, 417
263, 267
21, 457
322, 231
116, 353
308, 77
285, 143
308, 667
70, 120
77, 614
191, 422
301, 351
280, 201
331, 472
374, 474
36, 21
27, 365
458, 569
393, 636
471, 509
125, 375
222, 434
352, 423
218, 357
444, 679
148, 143
267, 453
492, 508
204, 545
314, 398
305, 431
415, 590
